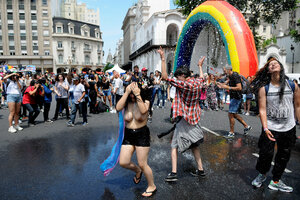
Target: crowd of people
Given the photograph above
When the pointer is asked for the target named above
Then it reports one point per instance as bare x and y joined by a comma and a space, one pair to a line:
273, 96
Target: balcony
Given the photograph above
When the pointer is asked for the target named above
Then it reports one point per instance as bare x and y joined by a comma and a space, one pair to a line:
87, 50
59, 48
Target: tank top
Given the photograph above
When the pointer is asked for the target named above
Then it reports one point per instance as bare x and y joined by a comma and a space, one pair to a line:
280, 115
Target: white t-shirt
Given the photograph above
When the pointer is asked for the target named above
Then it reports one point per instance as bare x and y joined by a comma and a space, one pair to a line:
13, 87
172, 92
78, 90
119, 86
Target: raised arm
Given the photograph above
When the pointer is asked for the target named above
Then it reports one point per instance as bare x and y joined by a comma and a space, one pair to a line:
122, 102
297, 102
200, 63
164, 74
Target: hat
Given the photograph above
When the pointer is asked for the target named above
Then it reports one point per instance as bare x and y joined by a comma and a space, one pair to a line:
76, 78
144, 69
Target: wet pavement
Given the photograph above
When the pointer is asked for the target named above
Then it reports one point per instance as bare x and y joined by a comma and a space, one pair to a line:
56, 162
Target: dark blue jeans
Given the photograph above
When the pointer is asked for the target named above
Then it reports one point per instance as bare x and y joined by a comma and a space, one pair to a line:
76, 107
154, 92
34, 111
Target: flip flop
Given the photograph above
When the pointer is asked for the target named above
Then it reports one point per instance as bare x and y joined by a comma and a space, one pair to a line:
152, 193
137, 180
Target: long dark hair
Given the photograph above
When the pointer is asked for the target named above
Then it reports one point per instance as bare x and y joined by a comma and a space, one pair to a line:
263, 77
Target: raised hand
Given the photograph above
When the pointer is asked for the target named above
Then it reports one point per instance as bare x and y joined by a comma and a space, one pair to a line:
200, 62
161, 52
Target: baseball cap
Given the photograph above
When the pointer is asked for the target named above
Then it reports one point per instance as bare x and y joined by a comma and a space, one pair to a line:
144, 69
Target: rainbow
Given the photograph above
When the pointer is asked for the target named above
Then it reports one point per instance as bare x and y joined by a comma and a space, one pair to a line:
233, 28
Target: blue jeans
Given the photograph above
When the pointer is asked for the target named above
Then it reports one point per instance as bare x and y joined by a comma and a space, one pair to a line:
81, 106
34, 111
154, 92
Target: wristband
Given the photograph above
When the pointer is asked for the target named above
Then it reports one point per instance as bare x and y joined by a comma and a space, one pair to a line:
266, 129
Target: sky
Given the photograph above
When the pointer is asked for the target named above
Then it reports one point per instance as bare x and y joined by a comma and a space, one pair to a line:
112, 13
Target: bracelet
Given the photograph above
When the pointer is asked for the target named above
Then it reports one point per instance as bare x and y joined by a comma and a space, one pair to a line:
266, 129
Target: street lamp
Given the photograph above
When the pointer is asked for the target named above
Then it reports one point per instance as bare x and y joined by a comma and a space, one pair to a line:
293, 51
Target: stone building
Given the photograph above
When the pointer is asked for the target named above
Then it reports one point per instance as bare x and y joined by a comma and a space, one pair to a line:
76, 45
25, 33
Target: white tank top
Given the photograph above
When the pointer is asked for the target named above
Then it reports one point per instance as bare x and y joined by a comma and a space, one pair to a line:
280, 115
13, 88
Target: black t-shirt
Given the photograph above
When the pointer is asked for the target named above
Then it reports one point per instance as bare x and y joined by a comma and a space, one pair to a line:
92, 85
104, 86
235, 79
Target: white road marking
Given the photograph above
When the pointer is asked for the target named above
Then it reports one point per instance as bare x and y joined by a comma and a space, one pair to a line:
210, 131
286, 170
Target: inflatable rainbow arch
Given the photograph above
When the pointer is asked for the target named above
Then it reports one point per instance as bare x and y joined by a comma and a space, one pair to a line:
233, 28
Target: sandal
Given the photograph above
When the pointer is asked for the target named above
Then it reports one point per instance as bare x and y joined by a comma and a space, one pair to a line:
137, 180
152, 193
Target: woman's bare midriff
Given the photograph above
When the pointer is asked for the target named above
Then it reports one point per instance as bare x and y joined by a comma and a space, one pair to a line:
134, 118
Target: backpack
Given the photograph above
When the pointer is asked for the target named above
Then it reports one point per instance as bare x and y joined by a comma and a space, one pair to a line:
291, 83
245, 84
101, 107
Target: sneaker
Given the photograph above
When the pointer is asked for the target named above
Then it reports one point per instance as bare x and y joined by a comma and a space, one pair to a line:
257, 182
171, 177
70, 124
217, 109
20, 121
197, 173
229, 135
48, 121
246, 130
84, 123
247, 114
12, 129
42, 110
18, 128
31, 124
280, 186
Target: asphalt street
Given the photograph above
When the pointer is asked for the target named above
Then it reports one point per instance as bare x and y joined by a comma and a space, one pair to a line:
53, 161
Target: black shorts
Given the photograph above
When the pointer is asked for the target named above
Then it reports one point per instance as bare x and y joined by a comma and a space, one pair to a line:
137, 137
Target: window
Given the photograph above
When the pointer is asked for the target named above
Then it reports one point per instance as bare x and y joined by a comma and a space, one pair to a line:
22, 27
46, 32
11, 47
45, 13
46, 43
23, 48
264, 29
45, 2
10, 16
36, 53
58, 29
85, 33
11, 38
60, 58
35, 48
9, 4
71, 30
72, 44
87, 59
22, 16
34, 37
34, 27
45, 23
86, 46
10, 27
33, 16
21, 4
47, 53
23, 37
59, 44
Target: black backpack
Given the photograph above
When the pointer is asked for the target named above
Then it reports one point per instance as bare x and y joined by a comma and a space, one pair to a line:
245, 84
101, 107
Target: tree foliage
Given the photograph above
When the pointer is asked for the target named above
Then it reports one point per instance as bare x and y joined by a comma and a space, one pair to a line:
268, 11
295, 34
108, 66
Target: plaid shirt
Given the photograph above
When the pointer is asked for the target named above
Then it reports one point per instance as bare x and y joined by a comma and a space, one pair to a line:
186, 103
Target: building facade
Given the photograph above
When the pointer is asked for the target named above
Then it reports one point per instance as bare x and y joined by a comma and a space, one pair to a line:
120, 52
25, 33
76, 45
71, 10
148, 25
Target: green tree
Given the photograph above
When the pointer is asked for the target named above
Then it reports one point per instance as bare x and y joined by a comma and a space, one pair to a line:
260, 10
295, 33
108, 66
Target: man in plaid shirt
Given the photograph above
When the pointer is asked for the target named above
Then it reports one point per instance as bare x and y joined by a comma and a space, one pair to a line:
188, 133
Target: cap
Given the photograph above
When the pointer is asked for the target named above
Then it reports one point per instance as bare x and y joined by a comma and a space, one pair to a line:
144, 69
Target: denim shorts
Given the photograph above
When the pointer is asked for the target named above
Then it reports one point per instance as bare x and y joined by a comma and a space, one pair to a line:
14, 98
106, 92
220, 94
234, 105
